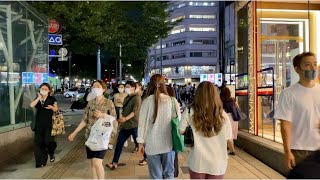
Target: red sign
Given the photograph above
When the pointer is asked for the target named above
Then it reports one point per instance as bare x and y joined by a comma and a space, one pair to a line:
54, 26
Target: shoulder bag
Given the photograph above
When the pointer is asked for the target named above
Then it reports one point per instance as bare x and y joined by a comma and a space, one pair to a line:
177, 138
188, 134
57, 124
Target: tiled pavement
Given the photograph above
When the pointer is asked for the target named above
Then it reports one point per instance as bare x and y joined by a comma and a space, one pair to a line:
71, 163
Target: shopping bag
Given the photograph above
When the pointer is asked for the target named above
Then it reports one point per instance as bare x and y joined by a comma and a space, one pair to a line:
57, 124
100, 134
177, 138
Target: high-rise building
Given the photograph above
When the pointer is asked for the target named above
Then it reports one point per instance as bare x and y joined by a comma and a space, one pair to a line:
192, 46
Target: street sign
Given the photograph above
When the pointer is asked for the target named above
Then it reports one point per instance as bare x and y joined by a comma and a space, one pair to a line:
54, 26
24, 77
211, 78
55, 39
203, 77
45, 77
63, 52
38, 78
218, 79
63, 59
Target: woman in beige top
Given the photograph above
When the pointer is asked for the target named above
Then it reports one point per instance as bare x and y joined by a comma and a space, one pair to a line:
97, 108
119, 98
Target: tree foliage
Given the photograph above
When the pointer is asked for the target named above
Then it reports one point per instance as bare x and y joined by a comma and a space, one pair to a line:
87, 25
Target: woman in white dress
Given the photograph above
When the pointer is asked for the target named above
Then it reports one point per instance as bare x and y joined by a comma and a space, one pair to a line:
211, 129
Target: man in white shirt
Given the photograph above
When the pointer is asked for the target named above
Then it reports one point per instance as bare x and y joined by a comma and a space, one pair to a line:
298, 110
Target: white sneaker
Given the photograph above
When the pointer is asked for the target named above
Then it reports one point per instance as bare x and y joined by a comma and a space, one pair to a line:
126, 144
110, 146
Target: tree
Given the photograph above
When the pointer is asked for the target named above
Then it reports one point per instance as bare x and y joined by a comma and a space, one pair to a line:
89, 25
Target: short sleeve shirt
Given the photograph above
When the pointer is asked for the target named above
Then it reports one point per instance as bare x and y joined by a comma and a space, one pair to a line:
301, 106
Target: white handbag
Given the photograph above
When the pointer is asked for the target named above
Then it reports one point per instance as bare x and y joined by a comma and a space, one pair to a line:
100, 134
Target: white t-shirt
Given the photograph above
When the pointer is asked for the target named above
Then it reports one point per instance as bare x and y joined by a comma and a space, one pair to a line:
301, 106
208, 155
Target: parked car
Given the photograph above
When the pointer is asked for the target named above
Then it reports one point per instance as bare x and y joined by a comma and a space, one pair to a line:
70, 93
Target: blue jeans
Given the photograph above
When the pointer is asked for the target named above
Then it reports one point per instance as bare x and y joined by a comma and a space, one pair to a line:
161, 166
124, 134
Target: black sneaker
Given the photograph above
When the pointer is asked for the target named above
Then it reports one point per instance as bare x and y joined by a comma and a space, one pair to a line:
52, 158
232, 153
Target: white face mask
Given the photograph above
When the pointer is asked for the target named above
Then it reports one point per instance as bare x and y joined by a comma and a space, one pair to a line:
137, 90
43, 92
97, 91
121, 90
128, 90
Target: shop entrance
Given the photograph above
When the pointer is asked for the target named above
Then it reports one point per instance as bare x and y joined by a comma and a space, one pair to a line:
281, 41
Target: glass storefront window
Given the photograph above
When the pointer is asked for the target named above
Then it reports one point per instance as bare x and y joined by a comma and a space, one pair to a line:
23, 59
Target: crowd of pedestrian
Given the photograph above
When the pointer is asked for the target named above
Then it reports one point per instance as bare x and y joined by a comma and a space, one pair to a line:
145, 115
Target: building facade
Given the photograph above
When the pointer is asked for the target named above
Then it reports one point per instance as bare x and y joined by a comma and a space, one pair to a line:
23, 66
268, 34
192, 47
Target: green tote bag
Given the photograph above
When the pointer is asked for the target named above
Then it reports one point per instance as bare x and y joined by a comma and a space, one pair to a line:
177, 138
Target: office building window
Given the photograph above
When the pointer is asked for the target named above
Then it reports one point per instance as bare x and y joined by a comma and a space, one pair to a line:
203, 41
202, 4
209, 41
181, 5
176, 31
178, 18
165, 57
209, 54
195, 54
178, 55
202, 29
178, 43
204, 54
163, 46
202, 16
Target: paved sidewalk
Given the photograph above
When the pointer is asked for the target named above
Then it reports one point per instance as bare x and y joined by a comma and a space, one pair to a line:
71, 162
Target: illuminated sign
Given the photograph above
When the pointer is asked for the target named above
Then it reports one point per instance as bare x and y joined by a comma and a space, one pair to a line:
251, 69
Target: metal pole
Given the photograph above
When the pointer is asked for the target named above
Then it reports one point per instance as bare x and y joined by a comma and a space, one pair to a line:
120, 66
161, 56
70, 57
98, 65
10, 65
116, 71
155, 60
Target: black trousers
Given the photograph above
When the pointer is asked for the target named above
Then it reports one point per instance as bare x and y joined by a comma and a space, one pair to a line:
44, 145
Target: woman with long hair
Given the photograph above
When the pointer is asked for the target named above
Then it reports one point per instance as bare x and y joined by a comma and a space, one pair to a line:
154, 131
211, 129
97, 107
44, 142
228, 105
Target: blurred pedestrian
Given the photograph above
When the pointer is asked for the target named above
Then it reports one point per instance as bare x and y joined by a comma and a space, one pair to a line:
229, 104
